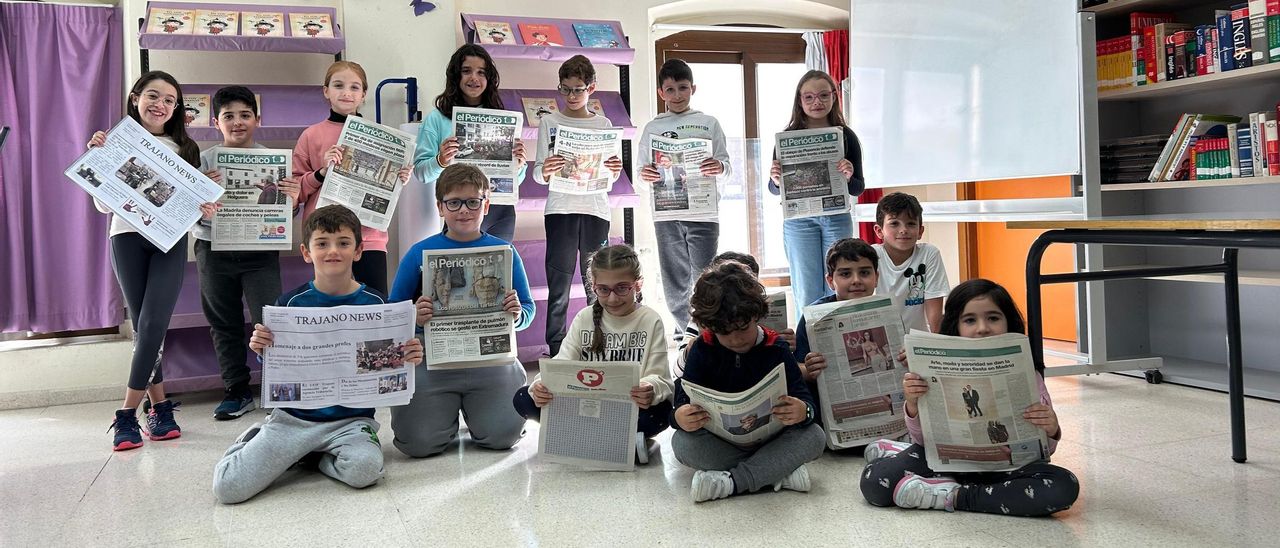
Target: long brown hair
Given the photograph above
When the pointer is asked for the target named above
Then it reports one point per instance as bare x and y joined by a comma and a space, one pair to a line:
614, 257
798, 118
452, 94
175, 127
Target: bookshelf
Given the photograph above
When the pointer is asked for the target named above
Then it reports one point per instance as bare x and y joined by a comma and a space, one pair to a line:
1219, 82
1192, 185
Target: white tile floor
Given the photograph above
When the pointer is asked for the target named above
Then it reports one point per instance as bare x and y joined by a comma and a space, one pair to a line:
1154, 463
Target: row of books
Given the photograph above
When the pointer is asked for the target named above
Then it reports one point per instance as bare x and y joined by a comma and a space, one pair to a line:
1157, 49
1212, 146
238, 23
1130, 160
590, 35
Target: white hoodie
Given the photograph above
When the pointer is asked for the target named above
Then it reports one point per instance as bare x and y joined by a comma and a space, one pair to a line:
690, 124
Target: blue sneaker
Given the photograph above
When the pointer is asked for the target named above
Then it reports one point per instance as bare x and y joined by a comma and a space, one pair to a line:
234, 405
160, 422
128, 433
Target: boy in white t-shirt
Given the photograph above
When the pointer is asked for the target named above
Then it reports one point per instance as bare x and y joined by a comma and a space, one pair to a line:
911, 272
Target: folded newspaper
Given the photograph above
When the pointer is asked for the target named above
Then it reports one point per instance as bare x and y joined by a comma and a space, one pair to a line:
144, 183
367, 181
341, 355
585, 152
255, 214
487, 140
743, 418
779, 315
860, 391
682, 193
467, 286
811, 184
591, 422
971, 417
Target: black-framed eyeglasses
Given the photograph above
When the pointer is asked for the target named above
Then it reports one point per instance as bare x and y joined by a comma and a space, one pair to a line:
566, 90
456, 204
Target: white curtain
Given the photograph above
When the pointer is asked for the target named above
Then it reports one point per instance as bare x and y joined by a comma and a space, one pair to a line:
815, 54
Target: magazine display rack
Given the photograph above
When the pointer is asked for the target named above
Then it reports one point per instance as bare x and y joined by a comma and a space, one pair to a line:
515, 46
243, 40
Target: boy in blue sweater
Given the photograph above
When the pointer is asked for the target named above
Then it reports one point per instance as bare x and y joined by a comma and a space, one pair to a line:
481, 390
345, 438
732, 354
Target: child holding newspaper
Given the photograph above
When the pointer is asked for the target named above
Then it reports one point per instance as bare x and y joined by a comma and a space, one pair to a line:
617, 328
345, 85
898, 475
733, 354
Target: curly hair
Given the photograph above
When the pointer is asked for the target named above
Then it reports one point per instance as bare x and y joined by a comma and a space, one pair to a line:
727, 298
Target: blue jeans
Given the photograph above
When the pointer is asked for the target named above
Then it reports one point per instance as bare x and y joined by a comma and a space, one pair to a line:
807, 240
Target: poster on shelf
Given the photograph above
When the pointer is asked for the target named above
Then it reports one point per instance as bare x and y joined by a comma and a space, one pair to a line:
311, 25
195, 107
495, 33
597, 35
217, 23
540, 34
170, 21
537, 107
262, 23
594, 105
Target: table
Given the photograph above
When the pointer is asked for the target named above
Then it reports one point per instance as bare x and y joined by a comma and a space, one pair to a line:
1229, 234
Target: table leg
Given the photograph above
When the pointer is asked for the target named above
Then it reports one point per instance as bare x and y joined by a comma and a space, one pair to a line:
1035, 329
1235, 367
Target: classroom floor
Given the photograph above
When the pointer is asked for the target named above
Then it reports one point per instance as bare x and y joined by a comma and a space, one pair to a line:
1153, 460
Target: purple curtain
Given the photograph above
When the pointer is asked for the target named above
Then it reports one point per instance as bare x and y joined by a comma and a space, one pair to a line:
60, 80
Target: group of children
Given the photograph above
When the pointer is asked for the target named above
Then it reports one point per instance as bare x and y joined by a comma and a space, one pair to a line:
717, 301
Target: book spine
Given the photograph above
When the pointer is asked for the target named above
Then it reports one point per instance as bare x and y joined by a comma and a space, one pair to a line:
1202, 42
1157, 172
1171, 58
1137, 73
1192, 168
1233, 150
1273, 148
1244, 151
1273, 31
1258, 31
1259, 147
1226, 53
1189, 60
1149, 53
1224, 158
1240, 38
1182, 149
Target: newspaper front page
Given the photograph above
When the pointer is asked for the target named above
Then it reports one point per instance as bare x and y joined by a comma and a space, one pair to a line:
584, 152
861, 388
745, 418
341, 355
971, 416
811, 184
367, 181
591, 422
144, 183
487, 140
683, 193
467, 287
779, 315
255, 214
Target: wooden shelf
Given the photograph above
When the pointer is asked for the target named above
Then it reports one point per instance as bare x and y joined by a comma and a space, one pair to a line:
1209, 183
1195, 84
1269, 278
1258, 383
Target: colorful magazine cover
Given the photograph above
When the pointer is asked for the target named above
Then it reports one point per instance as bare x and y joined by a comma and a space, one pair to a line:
262, 23
540, 34
311, 25
494, 33
171, 21
196, 109
217, 23
597, 35
537, 107
595, 106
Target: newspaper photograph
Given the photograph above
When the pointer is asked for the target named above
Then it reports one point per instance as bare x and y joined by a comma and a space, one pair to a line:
367, 181
779, 315
144, 183
340, 355
860, 391
971, 416
744, 418
584, 152
811, 184
487, 140
255, 214
467, 287
683, 193
591, 421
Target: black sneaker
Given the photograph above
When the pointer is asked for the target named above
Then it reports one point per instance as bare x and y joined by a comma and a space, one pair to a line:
234, 405
128, 432
160, 422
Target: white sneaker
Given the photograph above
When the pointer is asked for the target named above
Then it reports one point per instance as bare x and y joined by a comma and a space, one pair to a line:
880, 449
644, 447
711, 485
797, 480
924, 493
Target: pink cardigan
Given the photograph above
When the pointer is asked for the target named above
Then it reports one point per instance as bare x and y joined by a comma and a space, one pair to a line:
308, 158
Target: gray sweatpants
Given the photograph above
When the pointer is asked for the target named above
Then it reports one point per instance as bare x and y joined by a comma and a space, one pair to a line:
352, 454
685, 248
752, 468
429, 423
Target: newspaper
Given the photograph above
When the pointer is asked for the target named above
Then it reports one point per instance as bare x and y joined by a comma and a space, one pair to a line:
341, 355
467, 287
144, 183
971, 416
367, 181
584, 152
811, 184
683, 193
591, 422
745, 418
487, 140
255, 214
861, 389
779, 315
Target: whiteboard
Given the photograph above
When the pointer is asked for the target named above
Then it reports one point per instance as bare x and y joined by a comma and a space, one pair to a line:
962, 90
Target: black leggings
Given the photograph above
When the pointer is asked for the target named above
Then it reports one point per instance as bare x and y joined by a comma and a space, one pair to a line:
500, 222
150, 280
1037, 489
